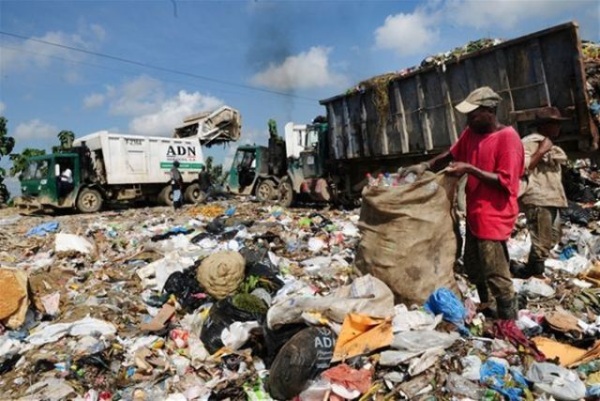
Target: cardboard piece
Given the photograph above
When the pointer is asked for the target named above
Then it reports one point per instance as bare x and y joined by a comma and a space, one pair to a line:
361, 334
566, 354
160, 320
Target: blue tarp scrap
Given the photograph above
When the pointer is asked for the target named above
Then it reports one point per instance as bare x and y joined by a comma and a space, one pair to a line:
43, 229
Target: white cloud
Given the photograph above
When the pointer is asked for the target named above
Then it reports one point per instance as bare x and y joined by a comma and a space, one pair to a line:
18, 56
306, 70
2, 107
139, 96
94, 100
171, 112
35, 129
507, 14
407, 34
150, 109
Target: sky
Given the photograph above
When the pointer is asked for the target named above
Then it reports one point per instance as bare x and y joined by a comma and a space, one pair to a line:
140, 67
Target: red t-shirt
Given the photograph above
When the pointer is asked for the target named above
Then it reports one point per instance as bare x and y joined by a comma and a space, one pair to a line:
491, 210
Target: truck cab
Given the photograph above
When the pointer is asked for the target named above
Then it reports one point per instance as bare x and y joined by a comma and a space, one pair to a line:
248, 169
40, 181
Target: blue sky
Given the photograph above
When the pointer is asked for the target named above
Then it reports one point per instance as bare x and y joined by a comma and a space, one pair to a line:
144, 65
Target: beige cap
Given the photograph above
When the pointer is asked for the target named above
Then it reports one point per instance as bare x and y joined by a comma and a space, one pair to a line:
483, 96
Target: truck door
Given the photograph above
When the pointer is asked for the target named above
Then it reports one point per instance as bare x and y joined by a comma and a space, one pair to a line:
243, 169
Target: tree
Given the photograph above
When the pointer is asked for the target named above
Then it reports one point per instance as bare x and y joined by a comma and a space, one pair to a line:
7, 143
215, 172
66, 139
20, 160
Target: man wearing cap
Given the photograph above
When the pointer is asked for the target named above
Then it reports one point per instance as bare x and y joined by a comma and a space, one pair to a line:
542, 194
491, 154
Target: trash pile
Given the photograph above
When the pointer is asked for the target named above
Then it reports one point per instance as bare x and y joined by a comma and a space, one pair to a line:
242, 301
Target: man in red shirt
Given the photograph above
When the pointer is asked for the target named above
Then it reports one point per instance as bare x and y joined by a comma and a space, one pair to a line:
492, 155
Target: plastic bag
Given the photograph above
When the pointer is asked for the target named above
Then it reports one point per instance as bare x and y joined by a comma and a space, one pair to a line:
220, 317
306, 354
445, 302
187, 290
557, 381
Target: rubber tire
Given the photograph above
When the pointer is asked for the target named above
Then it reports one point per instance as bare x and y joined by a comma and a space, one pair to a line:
286, 193
265, 191
165, 197
89, 201
193, 194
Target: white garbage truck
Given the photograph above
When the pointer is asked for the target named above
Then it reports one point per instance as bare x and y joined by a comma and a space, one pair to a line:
111, 167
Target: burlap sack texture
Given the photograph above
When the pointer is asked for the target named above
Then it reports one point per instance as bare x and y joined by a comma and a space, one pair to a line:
221, 273
408, 237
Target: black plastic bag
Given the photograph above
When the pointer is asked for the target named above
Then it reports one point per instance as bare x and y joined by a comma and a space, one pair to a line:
305, 355
221, 315
186, 288
275, 339
575, 214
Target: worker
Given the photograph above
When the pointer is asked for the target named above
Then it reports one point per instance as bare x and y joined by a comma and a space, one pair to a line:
65, 181
176, 185
492, 156
204, 179
542, 192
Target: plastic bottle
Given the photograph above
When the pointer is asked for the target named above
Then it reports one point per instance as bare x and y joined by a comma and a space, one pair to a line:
387, 180
380, 179
371, 182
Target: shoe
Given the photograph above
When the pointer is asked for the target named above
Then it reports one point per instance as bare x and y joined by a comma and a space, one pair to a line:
523, 271
507, 308
488, 310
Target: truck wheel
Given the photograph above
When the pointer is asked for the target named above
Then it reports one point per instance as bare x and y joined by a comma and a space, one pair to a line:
265, 191
165, 197
89, 201
193, 194
286, 193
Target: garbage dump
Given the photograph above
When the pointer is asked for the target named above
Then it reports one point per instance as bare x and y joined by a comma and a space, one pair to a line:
242, 301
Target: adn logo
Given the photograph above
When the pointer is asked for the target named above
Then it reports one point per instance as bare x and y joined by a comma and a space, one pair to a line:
181, 151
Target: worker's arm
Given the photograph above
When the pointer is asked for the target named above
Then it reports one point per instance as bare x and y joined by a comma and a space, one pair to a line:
460, 168
441, 159
544, 147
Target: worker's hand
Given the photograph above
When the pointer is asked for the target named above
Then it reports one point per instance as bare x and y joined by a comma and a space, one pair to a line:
417, 169
545, 146
458, 168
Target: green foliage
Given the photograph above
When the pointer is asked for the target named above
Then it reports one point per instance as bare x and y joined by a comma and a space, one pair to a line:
7, 144
66, 139
20, 160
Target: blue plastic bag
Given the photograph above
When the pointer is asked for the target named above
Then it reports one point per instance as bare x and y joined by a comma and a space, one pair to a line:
43, 229
495, 376
443, 301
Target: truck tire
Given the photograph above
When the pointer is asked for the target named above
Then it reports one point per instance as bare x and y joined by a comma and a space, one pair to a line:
89, 201
265, 190
286, 193
165, 197
193, 194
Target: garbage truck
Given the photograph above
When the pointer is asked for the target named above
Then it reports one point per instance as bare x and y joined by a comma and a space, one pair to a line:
405, 117
113, 167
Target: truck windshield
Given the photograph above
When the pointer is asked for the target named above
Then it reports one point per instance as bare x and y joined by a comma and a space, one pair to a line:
35, 170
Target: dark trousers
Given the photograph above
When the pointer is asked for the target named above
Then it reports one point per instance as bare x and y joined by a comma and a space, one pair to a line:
487, 266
